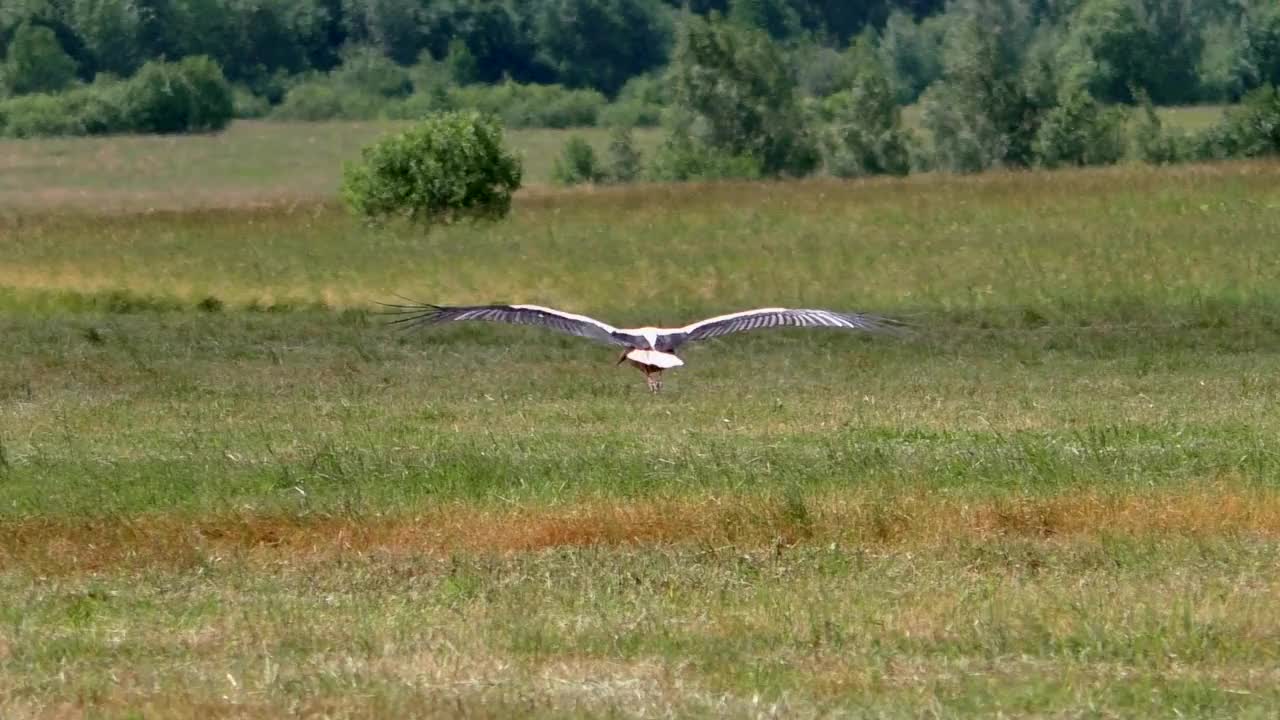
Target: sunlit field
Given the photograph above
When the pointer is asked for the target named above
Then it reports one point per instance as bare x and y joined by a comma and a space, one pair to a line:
228, 489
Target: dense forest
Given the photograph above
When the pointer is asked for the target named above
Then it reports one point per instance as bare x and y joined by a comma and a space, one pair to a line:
743, 87
1176, 51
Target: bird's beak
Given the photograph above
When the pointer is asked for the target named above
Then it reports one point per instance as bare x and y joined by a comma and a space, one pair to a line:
621, 357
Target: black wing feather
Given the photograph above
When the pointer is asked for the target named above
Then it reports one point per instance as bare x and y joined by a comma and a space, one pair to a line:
419, 315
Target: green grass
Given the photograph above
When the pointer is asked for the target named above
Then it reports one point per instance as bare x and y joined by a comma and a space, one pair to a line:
252, 163
227, 489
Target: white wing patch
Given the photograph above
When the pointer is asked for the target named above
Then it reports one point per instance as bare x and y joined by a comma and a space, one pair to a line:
730, 316
568, 316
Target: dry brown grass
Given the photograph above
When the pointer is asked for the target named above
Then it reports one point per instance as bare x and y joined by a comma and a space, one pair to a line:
60, 546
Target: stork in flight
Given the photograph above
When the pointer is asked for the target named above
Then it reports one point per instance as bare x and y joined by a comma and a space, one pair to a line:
649, 349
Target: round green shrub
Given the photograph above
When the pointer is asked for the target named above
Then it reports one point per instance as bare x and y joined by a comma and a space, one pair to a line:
450, 166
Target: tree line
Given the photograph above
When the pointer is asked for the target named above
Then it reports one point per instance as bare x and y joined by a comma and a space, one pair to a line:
1174, 51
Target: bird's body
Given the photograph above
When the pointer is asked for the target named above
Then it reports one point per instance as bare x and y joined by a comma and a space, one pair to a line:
649, 349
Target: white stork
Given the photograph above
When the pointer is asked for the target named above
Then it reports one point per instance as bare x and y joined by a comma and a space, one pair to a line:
649, 349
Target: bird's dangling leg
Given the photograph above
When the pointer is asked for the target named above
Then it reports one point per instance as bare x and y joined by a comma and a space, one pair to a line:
654, 378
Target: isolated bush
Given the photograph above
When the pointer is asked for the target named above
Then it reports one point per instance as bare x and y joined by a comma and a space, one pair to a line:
577, 164
1079, 131
187, 96
734, 98
448, 167
625, 162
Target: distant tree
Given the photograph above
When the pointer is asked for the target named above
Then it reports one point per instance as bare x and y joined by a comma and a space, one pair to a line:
396, 27
601, 43
1251, 129
1079, 131
1114, 46
450, 166
110, 31
912, 54
463, 69
37, 63
367, 70
625, 163
498, 37
979, 113
865, 135
778, 18
734, 94
1242, 52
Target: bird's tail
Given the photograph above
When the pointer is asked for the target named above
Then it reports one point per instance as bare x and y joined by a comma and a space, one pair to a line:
655, 358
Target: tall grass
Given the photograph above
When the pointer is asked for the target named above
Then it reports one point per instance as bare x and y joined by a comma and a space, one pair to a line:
228, 488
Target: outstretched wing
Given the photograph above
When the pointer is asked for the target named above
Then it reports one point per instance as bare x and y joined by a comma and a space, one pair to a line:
416, 316
784, 317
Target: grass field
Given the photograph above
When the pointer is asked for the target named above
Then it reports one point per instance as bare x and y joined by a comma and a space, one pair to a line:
228, 490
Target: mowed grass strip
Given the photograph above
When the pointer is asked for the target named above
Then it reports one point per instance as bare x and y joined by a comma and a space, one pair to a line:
870, 519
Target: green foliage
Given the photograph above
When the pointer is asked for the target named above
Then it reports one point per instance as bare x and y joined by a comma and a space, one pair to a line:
625, 161
601, 43
736, 99
1079, 131
1116, 45
639, 104
367, 70
1155, 144
680, 158
577, 164
1250, 130
819, 70
864, 135
36, 63
394, 27
247, 105
187, 96
448, 167
912, 54
463, 69
1242, 51
323, 100
42, 115
778, 18
111, 31
979, 115
521, 106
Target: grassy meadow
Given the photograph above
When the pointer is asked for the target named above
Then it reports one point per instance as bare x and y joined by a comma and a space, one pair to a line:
227, 489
